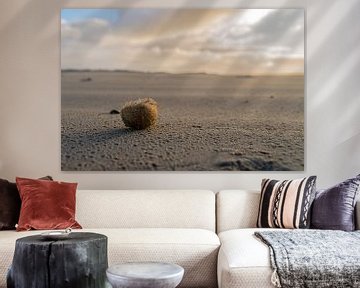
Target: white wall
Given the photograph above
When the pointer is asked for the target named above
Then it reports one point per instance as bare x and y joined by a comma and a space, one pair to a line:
30, 95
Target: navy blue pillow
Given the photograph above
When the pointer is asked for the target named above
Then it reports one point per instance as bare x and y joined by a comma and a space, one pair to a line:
334, 208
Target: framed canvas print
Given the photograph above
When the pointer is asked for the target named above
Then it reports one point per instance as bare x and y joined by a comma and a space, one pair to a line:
182, 89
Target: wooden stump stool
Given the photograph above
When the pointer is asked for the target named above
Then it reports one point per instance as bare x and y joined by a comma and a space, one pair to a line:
79, 261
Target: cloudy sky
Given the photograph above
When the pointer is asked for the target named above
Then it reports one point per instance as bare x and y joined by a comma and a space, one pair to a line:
214, 41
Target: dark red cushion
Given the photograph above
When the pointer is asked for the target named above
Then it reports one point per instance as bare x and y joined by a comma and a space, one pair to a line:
10, 204
46, 204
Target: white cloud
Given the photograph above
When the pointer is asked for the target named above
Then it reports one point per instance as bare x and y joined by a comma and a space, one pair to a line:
252, 16
229, 41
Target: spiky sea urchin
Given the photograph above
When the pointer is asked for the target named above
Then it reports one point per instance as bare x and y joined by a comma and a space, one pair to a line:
140, 114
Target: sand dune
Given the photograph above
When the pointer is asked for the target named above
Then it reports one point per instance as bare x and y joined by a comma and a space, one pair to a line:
206, 122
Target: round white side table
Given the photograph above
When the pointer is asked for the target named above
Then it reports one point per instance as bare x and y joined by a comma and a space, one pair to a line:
145, 275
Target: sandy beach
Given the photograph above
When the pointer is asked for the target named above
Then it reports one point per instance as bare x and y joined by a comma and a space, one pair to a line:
206, 122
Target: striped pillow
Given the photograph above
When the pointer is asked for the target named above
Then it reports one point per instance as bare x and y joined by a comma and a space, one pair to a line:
286, 204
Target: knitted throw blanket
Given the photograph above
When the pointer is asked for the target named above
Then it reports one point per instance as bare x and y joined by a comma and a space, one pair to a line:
313, 258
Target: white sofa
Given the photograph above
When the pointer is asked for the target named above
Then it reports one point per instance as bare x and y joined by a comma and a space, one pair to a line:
243, 261
175, 226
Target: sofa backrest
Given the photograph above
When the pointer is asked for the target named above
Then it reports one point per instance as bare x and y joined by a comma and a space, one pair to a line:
146, 209
236, 209
239, 209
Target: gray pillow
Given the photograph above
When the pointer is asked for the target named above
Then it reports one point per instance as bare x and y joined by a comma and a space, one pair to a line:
334, 208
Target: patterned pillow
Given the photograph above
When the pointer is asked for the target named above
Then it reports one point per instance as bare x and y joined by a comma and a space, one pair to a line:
286, 204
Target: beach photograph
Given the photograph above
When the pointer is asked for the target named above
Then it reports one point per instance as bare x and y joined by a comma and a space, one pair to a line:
145, 89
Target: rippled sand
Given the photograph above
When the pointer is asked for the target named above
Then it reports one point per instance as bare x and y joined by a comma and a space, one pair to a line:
206, 122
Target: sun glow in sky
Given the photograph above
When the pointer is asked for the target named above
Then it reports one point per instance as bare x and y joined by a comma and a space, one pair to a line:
214, 41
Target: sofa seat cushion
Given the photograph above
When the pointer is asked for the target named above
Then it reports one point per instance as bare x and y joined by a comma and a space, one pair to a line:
244, 261
194, 249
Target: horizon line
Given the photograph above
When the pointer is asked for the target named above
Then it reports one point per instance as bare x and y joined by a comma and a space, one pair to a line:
181, 73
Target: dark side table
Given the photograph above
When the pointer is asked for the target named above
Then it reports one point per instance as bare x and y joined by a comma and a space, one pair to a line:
78, 261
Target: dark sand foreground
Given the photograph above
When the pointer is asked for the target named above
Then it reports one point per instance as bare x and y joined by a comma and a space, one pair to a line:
206, 122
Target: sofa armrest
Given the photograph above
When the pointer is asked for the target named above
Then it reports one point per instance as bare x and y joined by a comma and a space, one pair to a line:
357, 215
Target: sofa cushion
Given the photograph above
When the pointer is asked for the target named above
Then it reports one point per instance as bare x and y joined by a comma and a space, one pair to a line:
194, 249
146, 209
286, 204
236, 209
10, 204
46, 204
244, 261
334, 208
